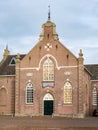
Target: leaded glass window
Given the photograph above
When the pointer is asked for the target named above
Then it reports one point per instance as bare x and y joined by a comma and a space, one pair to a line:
29, 93
67, 92
48, 70
94, 96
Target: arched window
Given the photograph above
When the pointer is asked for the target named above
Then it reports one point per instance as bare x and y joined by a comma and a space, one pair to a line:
68, 92
94, 96
29, 93
3, 98
48, 70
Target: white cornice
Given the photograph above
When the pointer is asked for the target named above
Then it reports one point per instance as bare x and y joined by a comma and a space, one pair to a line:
46, 56
94, 80
37, 68
7, 75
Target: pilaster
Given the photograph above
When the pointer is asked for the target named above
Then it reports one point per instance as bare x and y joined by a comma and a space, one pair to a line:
17, 86
81, 83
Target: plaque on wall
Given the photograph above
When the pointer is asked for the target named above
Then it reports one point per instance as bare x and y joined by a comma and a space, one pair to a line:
48, 84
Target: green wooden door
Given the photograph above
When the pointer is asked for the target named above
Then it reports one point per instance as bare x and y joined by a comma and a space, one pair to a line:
48, 107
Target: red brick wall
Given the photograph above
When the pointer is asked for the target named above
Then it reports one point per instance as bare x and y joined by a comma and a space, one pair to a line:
61, 57
7, 99
30, 69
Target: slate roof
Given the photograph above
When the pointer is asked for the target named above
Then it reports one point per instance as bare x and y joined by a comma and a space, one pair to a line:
93, 69
6, 68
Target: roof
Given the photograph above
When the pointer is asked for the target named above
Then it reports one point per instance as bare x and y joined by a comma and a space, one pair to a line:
93, 69
5, 65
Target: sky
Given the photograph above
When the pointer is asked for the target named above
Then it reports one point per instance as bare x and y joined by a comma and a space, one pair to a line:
76, 24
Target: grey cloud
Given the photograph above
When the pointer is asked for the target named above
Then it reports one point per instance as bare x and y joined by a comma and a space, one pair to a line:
76, 20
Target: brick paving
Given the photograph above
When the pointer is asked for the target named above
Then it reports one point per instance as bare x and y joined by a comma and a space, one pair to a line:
48, 123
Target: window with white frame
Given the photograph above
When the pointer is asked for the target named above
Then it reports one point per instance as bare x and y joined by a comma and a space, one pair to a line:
68, 93
48, 70
29, 93
94, 96
12, 62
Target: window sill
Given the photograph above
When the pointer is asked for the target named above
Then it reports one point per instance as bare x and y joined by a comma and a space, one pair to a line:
67, 104
29, 104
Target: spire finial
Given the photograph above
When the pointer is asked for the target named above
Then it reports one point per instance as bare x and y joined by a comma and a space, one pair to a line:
6, 52
49, 13
6, 46
80, 54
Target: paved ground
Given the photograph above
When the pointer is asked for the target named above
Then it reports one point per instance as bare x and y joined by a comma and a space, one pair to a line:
48, 123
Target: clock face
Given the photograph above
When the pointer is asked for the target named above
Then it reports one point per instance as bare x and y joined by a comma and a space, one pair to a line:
48, 46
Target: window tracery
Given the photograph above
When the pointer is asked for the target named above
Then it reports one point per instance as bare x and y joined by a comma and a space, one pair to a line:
68, 92
94, 96
29, 93
48, 70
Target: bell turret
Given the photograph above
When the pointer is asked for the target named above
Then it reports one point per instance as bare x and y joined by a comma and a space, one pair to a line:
48, 30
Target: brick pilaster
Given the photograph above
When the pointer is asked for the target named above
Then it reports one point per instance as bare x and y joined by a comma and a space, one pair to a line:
17, 85
81, 82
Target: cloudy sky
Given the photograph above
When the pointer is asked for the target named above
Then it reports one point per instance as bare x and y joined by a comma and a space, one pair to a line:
76, 22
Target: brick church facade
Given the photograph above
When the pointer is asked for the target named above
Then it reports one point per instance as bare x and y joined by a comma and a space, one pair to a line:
48, 80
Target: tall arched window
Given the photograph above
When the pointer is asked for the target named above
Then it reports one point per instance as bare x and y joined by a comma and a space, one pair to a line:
68, 92
3, 96
29, 93
94, 96
48, 70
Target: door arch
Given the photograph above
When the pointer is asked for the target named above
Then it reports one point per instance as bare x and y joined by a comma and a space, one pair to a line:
48, 104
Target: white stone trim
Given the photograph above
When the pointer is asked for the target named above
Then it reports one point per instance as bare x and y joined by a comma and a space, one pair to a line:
62, 67
59, 67
3, 87
29, 74
94, 80
46, 56
7, 75
48, 96
13, 58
